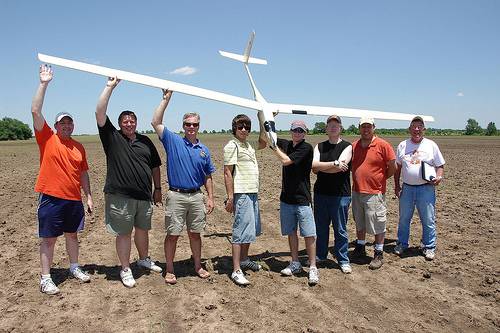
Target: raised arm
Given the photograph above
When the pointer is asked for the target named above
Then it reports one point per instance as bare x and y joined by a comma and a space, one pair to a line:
102, 104
262, 135
284, 159
36, 106
157, 121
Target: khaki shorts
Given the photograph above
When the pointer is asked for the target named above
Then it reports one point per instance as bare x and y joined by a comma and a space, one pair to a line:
185, 207
369, 211
123, 214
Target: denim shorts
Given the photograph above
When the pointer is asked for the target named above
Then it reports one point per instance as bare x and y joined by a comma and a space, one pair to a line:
369, 211
123, 214
293, 215
57, 216
246, 225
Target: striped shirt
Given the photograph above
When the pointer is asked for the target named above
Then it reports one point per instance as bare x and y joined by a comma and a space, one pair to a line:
246, 170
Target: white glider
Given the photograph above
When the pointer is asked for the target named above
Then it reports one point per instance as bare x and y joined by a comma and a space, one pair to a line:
265, 109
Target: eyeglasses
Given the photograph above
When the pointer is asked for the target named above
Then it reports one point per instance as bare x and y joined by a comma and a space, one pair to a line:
300, 130
241, 127
418, 126
191, 124
333, 126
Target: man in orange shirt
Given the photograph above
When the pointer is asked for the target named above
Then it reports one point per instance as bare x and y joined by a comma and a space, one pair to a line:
373, 162
63, 171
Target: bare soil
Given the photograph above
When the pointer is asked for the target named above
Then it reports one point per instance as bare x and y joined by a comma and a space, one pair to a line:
457, 292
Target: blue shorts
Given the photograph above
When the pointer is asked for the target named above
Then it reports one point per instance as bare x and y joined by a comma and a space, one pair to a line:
293, 215
246, 224
57, 216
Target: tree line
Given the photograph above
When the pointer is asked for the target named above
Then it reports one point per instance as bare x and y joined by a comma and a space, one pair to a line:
13, 129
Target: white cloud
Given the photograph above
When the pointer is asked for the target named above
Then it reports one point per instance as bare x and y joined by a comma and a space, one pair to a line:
460, 94
186, 70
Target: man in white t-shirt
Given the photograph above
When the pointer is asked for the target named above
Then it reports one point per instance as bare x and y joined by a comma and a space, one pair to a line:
415, 191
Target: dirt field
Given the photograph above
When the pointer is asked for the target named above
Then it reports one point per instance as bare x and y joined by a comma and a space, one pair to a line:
457, 292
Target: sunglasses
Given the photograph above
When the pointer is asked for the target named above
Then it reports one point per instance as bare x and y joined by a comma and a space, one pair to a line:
300, 130
240, 127
191, 124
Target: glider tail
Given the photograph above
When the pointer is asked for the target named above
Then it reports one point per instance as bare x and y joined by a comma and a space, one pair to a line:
246, 57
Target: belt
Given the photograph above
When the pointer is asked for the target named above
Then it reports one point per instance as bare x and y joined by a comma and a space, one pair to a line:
414, 185
184, 191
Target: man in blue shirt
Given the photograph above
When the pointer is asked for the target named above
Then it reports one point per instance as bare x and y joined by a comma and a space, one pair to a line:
189, 166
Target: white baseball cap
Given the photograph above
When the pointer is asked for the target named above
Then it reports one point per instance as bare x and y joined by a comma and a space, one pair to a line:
366, 120
61, 115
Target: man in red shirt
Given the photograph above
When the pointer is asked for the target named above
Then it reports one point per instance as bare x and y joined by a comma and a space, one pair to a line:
373, 162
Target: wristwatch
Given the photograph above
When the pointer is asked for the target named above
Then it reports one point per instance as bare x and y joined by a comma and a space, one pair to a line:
336, 163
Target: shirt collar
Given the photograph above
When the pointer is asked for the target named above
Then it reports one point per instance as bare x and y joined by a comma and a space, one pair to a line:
194, 145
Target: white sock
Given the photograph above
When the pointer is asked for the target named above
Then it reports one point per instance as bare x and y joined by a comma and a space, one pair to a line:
45, 276
72, 266
361, 242
379, 247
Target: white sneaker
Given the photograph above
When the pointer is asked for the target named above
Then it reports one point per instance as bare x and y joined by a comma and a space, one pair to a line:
127, 278
239, 278
293, 268
147, 263
80, 275
313, 276
346, 268
48, 286
429, 253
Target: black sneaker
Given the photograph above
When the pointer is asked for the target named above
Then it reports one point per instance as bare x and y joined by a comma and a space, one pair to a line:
359, 252
376, 263
249, 265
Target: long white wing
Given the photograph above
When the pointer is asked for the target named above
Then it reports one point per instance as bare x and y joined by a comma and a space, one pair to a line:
344, 112
151, 81
224, 98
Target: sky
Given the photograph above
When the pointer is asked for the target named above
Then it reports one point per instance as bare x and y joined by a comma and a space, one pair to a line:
439, 58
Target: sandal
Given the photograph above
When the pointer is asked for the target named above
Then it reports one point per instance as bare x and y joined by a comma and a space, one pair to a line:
203, 273
170, 278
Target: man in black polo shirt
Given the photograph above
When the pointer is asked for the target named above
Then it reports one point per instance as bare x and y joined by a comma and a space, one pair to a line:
296, 156
132, 162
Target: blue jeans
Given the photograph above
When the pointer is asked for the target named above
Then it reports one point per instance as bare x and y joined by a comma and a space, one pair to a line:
424, 197
335, 209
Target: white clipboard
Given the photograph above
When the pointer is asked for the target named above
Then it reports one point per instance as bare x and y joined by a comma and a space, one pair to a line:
428, 172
